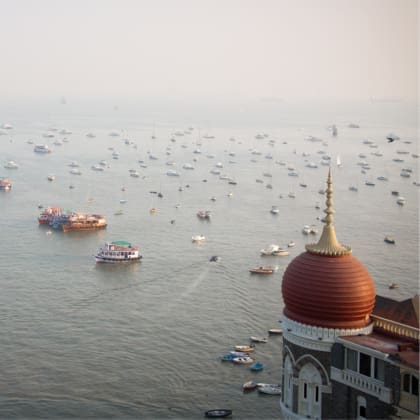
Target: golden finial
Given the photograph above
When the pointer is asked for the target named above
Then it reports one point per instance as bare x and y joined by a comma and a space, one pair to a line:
328, 244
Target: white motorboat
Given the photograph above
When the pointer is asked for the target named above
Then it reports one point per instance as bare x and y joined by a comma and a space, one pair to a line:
275, 210
308, 230
272, 389
42, 148
75, 171
401, 201
172, 172
245, 360
270, 249
255, 339
11, 164
198, 238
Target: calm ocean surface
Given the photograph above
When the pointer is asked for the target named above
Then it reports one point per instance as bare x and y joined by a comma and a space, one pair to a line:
82, 340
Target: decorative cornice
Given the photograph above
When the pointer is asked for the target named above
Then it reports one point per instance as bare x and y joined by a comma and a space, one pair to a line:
328, 244
317, 338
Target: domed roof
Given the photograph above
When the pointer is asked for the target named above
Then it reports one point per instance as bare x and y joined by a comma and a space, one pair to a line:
326, 286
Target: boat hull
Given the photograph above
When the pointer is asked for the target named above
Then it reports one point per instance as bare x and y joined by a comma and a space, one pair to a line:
84, 227
222, 412
107, 260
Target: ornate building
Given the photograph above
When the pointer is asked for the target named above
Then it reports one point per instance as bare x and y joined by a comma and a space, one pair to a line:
340, 360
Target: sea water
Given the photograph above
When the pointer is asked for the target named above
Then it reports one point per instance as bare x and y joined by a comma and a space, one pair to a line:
144, 340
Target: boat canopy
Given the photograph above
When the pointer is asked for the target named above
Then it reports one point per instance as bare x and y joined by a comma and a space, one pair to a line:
121, 243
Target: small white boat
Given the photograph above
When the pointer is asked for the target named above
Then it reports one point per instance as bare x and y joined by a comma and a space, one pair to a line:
75, 171
275, 331
97, 168
258, 339
401, 201
245, 360
291, 244
269, 250
51, 177
11, 164
308, 230
271, 389
275, 210
42, 148
198, 238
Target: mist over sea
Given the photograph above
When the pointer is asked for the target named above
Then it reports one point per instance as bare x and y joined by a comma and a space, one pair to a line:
143, 340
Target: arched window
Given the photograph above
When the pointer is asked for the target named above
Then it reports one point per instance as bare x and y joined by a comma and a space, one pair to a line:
310, 396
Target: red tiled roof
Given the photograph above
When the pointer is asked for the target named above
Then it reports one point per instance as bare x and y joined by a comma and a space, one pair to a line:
399, 349
405, 312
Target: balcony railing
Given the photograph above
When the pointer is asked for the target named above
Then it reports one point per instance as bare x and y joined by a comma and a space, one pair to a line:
395, 327
362, 383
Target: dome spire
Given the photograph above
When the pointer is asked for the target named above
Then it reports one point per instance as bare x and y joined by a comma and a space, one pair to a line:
328, 244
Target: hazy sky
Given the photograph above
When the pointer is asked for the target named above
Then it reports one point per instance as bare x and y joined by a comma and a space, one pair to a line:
214, 48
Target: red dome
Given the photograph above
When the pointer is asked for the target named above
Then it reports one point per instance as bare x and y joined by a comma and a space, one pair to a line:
328, 291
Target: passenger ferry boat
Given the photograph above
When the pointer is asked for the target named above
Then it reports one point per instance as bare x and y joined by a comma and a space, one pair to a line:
118, 252
84, 221
5, 184
48, 214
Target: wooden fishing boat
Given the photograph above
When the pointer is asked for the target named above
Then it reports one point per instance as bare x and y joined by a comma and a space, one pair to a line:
245, 349
389, 240
262, 270
250, 385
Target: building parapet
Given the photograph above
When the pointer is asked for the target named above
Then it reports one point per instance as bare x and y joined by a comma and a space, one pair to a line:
395, 327
362, 383
299, 333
